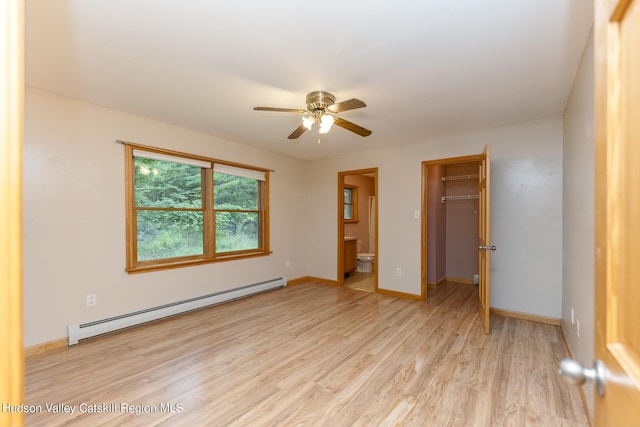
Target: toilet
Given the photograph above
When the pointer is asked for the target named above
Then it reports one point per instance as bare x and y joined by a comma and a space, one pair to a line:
365, 260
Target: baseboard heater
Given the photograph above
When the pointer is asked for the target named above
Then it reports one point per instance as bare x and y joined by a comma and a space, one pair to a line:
99, 327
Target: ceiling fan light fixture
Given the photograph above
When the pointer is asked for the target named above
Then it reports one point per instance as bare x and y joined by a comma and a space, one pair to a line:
326, 121
308, 121
321, 107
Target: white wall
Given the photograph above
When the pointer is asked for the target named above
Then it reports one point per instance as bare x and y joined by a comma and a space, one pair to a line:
74, 241
578, 211
74, 216
526, 212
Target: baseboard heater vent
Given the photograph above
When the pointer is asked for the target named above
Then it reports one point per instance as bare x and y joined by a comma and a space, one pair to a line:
99, 327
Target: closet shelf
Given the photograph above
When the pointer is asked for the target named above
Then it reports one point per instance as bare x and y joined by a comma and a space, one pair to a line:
459, 177
466, 197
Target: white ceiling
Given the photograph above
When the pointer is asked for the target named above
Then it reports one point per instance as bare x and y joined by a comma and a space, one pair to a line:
425, 68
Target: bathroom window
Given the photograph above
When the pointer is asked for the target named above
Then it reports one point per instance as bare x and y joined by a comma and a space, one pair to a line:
184, 210
350, 203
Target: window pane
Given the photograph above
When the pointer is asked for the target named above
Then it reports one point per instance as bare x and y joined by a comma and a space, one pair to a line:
348, 212
234, 192
169, 234
347, 195
237, 231
161, 183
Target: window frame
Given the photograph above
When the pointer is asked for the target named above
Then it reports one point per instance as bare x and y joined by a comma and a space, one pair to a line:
354, 203
209, 254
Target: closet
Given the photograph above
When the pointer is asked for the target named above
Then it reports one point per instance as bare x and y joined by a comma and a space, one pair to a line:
452, 223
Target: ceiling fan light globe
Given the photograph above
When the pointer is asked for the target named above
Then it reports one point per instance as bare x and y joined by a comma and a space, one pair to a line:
326, 121
308, 121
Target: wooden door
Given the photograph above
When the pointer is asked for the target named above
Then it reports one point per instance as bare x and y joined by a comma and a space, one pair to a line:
11, 105
617, 334
484, 238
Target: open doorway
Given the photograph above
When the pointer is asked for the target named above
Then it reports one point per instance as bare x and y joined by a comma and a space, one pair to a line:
450, 222
456, 218
358, 229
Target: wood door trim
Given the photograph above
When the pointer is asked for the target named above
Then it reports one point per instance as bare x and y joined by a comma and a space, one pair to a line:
453, 160
423, 224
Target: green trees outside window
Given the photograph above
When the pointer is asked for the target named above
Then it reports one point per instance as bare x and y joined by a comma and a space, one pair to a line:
170, 213
235, 201
183, 210
350, 203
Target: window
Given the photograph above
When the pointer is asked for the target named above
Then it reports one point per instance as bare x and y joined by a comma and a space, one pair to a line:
184, 210
237, 207
350, 203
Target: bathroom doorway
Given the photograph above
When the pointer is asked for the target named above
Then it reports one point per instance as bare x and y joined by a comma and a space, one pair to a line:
358, 229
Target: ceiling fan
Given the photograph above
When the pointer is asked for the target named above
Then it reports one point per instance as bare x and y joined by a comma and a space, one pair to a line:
322, 109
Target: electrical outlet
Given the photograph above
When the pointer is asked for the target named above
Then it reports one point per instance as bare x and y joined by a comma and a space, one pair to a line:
398, 271
288, 263
416, 214
573, 316
91, 300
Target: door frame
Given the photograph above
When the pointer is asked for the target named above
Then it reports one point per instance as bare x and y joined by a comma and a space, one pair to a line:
340, 251
423, 226
11, 146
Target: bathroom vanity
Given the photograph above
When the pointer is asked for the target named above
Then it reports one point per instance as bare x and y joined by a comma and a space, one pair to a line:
350, 255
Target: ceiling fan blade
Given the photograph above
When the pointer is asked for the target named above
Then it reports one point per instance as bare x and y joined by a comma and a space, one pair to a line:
349, 104
296, 133
282, 110
351, 126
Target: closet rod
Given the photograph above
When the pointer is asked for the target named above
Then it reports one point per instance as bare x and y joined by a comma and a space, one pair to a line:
458, 177
470, 197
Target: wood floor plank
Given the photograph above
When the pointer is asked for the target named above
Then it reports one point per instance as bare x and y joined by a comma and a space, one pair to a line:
310, 355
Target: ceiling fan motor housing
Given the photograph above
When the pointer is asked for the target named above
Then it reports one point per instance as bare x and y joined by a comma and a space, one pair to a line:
319, 101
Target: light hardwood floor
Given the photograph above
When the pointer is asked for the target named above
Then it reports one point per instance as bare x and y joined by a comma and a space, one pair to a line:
315, 355
361, 281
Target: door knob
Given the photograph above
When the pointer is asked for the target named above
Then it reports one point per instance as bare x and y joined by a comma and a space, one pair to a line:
574, 373
487, 248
